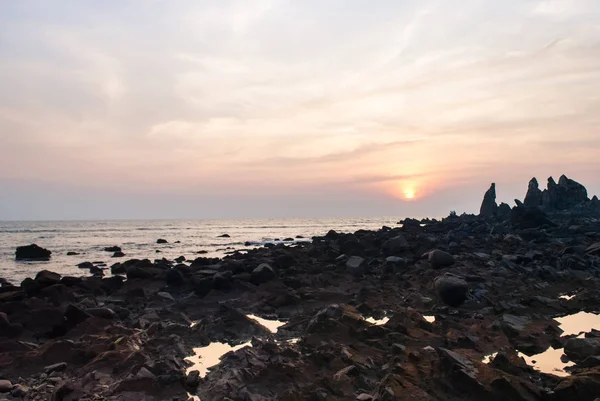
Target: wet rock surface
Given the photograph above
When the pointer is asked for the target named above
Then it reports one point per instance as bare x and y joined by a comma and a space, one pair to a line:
493, 286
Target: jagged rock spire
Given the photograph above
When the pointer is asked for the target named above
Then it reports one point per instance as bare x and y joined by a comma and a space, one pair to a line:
489, 207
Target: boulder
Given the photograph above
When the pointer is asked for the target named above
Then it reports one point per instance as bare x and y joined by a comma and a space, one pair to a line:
180, 259
138, 272
71, 253
534, 194
439, 259
356, 266
395, 264
118, 268
118, 254
104, 313
193, 379
174, 277
579, 349
262, 274
222, 280
451, 290
32, 252
5, 386
528, 217
113, 249
46, 278
503, 211
395, 245
489, 207
513, 325
224, 236
161, 241
85, 265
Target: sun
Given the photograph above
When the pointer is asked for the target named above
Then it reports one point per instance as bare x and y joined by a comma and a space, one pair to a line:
409, 193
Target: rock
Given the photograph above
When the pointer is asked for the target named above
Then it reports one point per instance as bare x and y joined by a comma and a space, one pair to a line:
46, 278
513, 325
356, 266
71, 253
96, 271
262, 274
222, 280
534, 194
57, 367
439, 259
144, 373
489, 207
118, 254
20, 390
331, 234
364, 397
180, 259
113, 249
104, 313
563, 196
395, 245
528, 217
85, 265
193, 379
32, 252
451, 290
395, 264
224, 236
503, 211
174, 277
161, 241
75, 315
578, 349
138, 272
202, 286
5, 386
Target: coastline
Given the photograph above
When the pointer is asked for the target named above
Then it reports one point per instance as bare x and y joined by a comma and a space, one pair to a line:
454, 292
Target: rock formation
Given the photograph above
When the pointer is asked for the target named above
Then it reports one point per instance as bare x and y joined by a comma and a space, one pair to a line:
534, 194
489, 207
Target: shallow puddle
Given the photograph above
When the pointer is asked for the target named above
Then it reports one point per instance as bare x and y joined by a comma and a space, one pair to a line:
207, 357
377, 322
430, 319
489, 358
548, 362
271, 325
578, 323
567, 297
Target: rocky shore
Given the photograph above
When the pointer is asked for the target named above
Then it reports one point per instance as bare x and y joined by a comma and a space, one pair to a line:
428, 310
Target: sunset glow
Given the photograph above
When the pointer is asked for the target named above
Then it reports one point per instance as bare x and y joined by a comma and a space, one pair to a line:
291, 107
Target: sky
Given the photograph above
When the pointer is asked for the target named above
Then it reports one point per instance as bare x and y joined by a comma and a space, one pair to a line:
292, 108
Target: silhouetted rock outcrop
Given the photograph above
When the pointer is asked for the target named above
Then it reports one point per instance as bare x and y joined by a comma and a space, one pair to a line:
32, 251
565, 195
489, 207
534, 194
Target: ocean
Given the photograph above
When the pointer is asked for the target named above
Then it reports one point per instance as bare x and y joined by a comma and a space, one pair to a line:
137, 238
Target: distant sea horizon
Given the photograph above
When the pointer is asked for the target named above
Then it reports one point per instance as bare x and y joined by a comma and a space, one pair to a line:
137, 238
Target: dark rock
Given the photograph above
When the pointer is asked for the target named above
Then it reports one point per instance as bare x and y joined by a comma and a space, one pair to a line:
395, 264
75, 315
113, 249
5, 386
579, 349
222, 280
262, 274
439, 259
451, 290
356, 266
513, 325
85, 265
174, 277
193, 379
489, 207
202, 286
104, 313
71, 253
138, 272
564, 195
118, 268
534, 194
118, 254
331, 234
180, 259
395, 245
96, 271
57, 367
224, 236
503, 211
161, 241
528, 217
46, 278
32, 252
